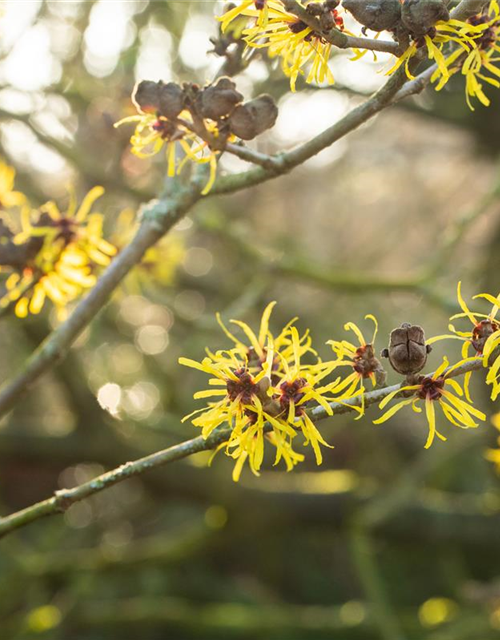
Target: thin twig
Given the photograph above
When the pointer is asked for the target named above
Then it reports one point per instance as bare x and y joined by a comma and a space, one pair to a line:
250, 155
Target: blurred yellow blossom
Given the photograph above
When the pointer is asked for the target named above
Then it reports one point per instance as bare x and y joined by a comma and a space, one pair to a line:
8, 197
69, 248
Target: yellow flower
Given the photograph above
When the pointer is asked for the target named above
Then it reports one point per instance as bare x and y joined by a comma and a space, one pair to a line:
62, 283
288, 38
233, 16
264, 390
431, 389
484, 337
153, 132
444, 32
479, 63
242, 406
361, 358
63, 266
300, 385
9, 197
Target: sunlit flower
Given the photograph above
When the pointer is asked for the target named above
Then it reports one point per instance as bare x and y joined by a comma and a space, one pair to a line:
443, 33
440, 388
484, 338
287, 37
234, 14
9, 197
63, 283
478, 64
153, 132
264, 390
360, 358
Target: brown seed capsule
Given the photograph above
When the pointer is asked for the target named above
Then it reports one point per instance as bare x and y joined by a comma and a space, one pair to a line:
146, 96
218, 100
407, 350
419, 16
315, 8
377, 15
327, 21
157, 97
172, 100
250, 119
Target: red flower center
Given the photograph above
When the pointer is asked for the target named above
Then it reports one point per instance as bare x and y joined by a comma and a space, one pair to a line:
430, 388
489, 36
291, 392
243, 388
481, 332
364, 361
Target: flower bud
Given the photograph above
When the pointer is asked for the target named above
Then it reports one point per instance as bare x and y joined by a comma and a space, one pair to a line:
377, 15
250, 119
419, 16
407, 350
218, 100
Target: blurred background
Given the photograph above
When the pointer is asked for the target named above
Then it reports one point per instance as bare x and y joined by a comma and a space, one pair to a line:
385, 540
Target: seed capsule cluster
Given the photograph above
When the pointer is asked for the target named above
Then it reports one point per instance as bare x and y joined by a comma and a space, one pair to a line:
219, 102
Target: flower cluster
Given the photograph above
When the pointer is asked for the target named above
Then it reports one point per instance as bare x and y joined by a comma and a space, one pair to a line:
53, 255
195, 124
477, 63
265, 387
301, 35
289, 38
